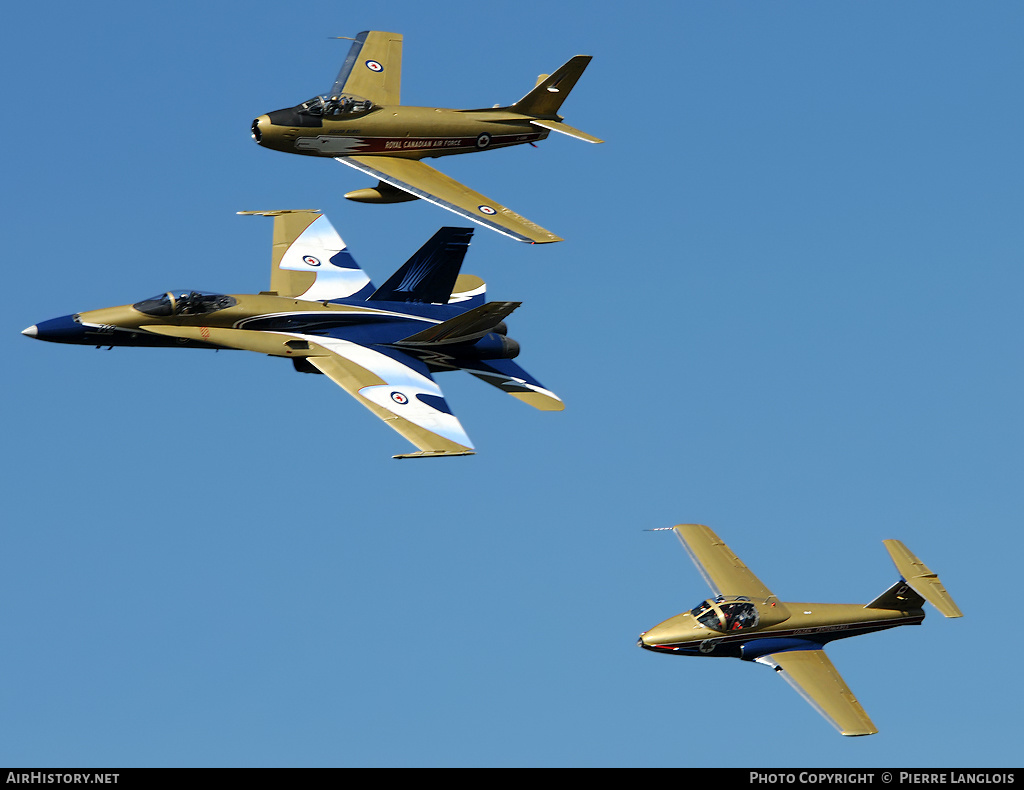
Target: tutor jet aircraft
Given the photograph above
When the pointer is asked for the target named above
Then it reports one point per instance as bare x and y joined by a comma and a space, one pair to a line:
746, 620
362, 124
381, 345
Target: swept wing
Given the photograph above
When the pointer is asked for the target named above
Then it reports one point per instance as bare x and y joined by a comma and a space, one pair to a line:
395, 386
724, 572
372, 69
815, 678
398, 389
423, 181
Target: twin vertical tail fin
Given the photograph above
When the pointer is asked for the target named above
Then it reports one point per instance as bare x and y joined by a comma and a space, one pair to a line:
430, 275
309, 260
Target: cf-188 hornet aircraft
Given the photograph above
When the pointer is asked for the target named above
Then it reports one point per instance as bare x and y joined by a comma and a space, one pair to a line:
361, 123
746, 620
381, 345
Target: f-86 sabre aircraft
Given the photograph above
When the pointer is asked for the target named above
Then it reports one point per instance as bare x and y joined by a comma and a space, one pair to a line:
381, 345
361, 123
746, 620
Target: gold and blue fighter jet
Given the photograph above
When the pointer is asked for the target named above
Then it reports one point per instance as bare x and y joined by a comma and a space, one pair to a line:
381, 345
361, 123
746, 620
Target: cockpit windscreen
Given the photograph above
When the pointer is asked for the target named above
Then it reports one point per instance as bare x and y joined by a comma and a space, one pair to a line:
184, 303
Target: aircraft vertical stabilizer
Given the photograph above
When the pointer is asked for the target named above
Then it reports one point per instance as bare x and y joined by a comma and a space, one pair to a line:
309, 260
429, 275
547, 97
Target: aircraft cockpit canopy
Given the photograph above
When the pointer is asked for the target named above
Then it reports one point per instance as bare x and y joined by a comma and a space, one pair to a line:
734, 614
184, 303
340, 104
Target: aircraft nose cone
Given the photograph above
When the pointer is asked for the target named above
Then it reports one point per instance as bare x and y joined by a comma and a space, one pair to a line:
673, 631
258, 126
57, 330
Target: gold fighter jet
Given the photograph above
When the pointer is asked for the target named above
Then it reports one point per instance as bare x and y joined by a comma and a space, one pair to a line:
381, 345
746, 620
362, 124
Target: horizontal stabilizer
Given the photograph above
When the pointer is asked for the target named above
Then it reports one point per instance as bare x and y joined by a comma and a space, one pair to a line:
470, 325
429, 276
564, 128
507, 376
924, 581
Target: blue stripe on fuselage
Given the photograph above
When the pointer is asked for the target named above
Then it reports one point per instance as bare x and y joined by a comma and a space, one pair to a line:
750, 646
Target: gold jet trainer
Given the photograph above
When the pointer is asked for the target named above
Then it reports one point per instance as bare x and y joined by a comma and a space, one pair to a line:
361, 123
746, 620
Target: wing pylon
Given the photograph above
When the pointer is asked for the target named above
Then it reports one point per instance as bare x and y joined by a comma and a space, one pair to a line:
509, 377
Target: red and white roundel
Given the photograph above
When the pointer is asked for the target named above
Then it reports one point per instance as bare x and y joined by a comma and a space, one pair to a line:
309, 260
399, 398
373, 65
487, 210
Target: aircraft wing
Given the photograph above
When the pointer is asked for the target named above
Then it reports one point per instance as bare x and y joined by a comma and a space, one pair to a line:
373, 68
815, 678
724, 572
423, 181
395, 386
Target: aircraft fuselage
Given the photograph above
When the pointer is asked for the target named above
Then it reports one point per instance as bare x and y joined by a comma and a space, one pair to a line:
793, 625
282, 320
407, 132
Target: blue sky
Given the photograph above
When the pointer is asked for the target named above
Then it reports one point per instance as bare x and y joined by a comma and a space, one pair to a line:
788, 306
